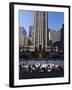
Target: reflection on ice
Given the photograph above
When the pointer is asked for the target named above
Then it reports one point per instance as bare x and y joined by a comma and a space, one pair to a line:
31, 62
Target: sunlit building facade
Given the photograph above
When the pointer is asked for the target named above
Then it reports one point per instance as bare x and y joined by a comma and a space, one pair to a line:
54, 35
22, 37
40, 31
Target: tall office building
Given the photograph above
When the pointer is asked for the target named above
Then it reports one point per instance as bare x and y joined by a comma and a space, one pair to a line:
40, 31
22, 37
54, 35
31, 34
62, 36
30, 30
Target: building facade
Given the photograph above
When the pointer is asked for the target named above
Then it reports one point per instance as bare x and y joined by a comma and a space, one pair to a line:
54, 36
31, 34
62, 36
40, 31
30, 30
22, 37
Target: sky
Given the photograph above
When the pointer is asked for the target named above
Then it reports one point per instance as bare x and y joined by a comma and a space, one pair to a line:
55, 19
26, 19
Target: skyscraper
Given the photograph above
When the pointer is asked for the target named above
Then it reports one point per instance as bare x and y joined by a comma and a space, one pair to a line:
54, 35
62, 36
30, 30
40, 31
31, 34
22, 37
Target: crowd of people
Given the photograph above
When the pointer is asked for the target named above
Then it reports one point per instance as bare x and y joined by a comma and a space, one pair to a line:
41, 68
